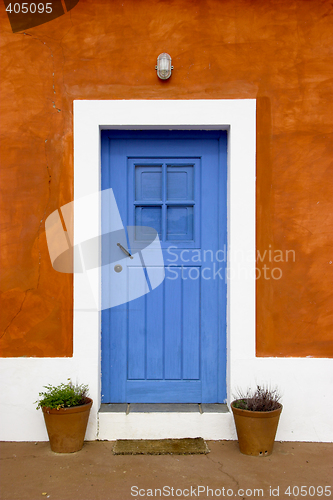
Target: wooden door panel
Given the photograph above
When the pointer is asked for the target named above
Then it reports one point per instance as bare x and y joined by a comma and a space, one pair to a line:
169, 344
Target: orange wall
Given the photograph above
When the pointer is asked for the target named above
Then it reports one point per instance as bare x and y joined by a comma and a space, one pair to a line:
279, 53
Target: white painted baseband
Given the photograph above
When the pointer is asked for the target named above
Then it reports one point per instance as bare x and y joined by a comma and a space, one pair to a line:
305, 383
214, 426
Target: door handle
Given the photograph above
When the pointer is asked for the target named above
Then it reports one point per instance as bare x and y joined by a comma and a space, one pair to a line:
126, 252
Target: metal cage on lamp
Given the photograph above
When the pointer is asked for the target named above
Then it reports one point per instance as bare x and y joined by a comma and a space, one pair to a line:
164, 66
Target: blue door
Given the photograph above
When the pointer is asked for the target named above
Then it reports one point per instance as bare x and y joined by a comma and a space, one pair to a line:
169, 345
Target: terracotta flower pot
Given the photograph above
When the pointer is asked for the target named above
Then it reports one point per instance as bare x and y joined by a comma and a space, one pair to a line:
66, 427
256, 430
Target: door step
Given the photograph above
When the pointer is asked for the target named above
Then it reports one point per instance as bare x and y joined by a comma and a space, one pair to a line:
163, 421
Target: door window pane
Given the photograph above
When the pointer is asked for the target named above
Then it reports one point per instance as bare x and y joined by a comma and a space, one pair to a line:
180, 182
148, 217
148, 183
180, 223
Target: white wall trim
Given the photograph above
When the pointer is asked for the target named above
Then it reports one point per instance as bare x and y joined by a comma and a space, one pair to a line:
23, 378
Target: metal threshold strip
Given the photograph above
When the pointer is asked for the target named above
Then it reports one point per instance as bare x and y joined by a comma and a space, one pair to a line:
163, 408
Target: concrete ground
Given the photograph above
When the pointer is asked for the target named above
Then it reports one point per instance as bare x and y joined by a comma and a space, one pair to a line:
31, 471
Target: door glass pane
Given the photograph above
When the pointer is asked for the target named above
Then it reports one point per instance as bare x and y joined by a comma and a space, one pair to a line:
148, 216
180, 182
148, 183
180, 223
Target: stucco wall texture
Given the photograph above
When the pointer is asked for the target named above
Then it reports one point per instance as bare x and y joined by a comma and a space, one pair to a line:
278, 52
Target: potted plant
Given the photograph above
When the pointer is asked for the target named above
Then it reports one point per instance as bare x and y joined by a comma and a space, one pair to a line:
256, 414
66, 409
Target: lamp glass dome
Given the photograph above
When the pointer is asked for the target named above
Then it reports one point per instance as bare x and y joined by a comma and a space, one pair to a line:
164, 66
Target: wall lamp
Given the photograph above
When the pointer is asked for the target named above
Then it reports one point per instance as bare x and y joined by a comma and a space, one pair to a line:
163, 66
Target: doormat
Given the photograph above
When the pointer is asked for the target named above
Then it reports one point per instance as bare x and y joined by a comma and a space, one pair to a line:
187, 446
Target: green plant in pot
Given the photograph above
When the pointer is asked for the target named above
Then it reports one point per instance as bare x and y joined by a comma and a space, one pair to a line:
256, 414
66, 409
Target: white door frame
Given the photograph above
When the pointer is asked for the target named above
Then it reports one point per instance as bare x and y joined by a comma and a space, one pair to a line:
238, 117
